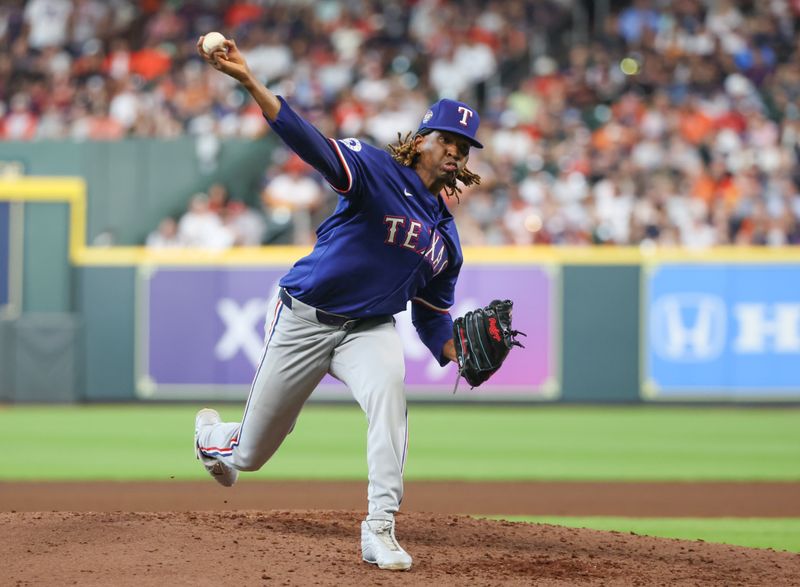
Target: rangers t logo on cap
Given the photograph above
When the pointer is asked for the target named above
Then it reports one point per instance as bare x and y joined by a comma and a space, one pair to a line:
455, 117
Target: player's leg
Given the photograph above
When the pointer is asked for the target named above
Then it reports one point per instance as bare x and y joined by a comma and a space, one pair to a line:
295, 358
371, 363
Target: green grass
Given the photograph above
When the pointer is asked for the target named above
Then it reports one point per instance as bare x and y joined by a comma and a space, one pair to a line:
465, 442
776, 533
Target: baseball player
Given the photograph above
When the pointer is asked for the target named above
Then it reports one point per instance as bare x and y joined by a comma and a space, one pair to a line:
391, 239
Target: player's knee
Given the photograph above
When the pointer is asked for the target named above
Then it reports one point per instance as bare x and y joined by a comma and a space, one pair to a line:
250, 460
389, 387
248, 466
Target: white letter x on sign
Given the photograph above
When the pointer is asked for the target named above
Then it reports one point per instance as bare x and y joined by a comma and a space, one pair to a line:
241, 329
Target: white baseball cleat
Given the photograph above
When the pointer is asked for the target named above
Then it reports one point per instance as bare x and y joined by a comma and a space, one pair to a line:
222, 473
380, 547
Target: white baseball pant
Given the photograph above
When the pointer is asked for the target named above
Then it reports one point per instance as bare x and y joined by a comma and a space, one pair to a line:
298, 352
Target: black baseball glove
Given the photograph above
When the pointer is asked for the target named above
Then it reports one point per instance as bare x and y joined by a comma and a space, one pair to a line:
483, 339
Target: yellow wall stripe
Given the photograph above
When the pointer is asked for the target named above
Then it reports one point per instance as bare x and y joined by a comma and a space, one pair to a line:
68, 190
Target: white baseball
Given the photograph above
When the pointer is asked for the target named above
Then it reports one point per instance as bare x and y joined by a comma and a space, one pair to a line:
212, 42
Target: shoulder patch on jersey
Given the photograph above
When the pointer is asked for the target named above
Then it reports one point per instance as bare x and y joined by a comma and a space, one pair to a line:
352, 144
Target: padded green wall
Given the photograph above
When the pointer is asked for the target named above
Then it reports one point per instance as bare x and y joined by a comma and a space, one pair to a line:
46, 277
105, 300
600, 333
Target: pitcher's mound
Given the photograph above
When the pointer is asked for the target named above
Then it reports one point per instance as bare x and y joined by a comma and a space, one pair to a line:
322, 548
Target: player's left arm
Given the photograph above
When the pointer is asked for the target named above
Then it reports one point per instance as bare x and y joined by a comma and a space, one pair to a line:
430, 313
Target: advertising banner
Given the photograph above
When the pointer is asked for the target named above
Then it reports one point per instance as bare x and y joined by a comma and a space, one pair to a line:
716, 331
201, 330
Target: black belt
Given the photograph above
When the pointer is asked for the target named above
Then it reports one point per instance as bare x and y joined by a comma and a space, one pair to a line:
337, 320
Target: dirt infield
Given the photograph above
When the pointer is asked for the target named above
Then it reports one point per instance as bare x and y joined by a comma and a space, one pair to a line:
705, 500
265, 534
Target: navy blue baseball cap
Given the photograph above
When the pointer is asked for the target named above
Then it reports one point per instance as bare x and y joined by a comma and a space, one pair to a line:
452, 116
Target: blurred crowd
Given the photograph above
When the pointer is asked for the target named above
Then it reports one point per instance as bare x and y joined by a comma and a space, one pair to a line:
287, 212
662, 122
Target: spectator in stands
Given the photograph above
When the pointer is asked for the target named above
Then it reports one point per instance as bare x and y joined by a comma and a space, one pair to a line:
47, 23
202, 227
218, 198
90, 20
20, 124
165, 236
294, 195
247, 225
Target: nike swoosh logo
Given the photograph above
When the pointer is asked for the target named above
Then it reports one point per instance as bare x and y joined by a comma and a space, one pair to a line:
407, 193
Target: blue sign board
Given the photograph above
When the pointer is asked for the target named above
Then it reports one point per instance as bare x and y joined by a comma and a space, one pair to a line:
715, 331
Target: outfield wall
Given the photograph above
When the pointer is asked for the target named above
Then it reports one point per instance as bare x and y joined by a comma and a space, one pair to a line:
83, 323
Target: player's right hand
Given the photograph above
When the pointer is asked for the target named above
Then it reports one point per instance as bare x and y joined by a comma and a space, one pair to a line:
229, 61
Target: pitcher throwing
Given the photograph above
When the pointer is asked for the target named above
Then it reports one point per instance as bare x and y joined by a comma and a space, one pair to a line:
391, 239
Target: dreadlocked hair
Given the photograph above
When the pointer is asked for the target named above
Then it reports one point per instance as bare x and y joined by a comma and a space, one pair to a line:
403, 152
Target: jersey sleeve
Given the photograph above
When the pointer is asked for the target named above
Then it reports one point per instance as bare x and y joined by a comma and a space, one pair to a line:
323, 154
430, 313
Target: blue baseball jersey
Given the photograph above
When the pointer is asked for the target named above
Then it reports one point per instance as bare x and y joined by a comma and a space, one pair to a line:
388, 241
